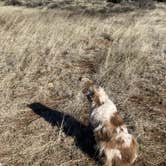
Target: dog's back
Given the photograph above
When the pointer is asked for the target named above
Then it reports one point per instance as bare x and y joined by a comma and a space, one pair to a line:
113, 139
119, 147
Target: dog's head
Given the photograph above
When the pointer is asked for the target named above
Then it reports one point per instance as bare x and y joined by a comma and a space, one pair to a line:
95, 94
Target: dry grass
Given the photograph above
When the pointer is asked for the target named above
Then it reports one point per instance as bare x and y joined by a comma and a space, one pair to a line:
89, 7
43, 53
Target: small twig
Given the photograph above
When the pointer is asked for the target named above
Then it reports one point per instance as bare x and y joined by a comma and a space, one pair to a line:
73, 161
60, 131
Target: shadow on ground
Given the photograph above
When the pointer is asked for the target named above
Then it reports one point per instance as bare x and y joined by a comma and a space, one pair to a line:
83, 134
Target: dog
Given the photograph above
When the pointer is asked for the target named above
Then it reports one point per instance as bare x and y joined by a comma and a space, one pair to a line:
111, 134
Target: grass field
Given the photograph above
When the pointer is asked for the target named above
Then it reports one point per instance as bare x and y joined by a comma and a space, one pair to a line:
43, 52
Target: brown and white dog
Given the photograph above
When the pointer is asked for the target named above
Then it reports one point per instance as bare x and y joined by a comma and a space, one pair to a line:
114, 141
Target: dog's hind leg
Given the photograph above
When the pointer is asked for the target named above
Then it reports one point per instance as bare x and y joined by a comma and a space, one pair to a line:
111, 156
108, 163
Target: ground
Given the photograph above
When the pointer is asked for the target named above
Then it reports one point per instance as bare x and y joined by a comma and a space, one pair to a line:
44, 52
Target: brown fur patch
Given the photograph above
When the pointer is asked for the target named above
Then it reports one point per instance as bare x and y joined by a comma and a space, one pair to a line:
116, 120
106, 132
103, 134
128, 153
96, 99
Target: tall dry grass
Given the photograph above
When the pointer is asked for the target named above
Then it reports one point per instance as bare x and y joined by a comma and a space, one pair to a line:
43, 53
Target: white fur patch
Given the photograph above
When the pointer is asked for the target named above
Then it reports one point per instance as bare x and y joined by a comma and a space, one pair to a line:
99, 127
103, 97
103, 113
126, 137
112, 153
134, 158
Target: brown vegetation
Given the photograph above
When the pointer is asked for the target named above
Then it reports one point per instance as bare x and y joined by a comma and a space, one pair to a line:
42, 55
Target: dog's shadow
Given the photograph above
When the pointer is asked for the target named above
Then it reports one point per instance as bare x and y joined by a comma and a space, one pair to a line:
82, 134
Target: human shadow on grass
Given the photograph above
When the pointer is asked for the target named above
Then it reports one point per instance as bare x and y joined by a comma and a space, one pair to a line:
83, 134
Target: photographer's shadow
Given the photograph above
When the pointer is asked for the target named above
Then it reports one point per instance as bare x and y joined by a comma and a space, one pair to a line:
83, 134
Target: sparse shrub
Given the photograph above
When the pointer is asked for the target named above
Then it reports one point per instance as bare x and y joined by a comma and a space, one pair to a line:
145, 3
12, 2
140, 3
54, 3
